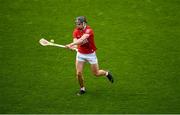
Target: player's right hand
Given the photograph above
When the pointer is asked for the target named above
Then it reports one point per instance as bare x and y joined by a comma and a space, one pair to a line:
70, 46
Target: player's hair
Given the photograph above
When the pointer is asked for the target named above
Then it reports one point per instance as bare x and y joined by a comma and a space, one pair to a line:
80, 19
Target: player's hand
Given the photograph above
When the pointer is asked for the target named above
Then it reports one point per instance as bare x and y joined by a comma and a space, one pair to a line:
70, 46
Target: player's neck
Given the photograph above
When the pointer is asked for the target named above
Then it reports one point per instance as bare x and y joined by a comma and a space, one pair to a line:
82, 29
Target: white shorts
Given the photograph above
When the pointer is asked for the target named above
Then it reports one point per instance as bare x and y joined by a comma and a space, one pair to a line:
91, 58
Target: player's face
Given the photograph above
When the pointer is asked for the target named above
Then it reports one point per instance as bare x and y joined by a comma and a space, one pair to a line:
79, 25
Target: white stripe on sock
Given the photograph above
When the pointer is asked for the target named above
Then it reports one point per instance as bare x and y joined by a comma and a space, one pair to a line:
83, 88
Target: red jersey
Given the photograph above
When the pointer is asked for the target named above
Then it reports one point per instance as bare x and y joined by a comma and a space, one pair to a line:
89, 46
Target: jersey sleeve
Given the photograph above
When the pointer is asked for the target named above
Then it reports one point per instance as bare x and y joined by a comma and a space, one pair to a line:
89, 31
74, 34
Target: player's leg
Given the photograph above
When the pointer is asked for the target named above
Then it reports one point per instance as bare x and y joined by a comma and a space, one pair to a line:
97, 72
92, 59
79, 71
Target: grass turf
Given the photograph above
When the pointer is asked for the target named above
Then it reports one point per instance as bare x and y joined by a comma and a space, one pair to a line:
137, 40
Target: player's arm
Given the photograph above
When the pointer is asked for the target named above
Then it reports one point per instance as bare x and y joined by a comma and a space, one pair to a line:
72, 47
80, 41
74, 40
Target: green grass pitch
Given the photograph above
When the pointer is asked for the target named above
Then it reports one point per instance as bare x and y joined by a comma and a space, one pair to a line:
137, 40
